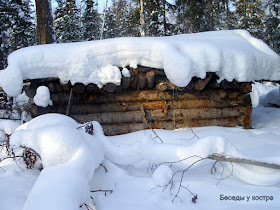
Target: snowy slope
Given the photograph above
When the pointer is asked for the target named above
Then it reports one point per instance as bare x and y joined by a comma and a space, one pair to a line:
231, 54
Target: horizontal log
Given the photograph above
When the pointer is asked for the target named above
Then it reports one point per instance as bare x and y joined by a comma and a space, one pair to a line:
152, 105
154, 95
181, 115
116, 129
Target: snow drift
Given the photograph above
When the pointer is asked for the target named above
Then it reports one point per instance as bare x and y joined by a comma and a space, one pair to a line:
69, 157
231, 54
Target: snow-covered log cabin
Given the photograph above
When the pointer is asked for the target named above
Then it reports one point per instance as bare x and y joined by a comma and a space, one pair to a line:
130, 84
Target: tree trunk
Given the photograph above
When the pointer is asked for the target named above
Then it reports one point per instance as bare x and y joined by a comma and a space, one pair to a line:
1, 53
45, 30
103, 22
142, 19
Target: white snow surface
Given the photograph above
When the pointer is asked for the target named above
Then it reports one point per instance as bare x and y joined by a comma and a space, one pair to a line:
231, 54
8, 126
42, 97
162, 175
69, 157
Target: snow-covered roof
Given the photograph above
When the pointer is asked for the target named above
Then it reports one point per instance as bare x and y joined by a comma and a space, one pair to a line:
231, 54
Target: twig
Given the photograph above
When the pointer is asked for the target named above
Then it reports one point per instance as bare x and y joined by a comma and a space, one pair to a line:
104, 167
105, 191
182, 176
156, 134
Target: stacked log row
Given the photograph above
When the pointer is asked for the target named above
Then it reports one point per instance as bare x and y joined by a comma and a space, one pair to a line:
147, 99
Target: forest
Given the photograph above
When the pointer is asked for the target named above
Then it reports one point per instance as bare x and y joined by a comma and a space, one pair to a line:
73, 21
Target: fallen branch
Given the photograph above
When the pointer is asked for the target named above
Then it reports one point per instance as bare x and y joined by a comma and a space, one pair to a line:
105, 191
219, 157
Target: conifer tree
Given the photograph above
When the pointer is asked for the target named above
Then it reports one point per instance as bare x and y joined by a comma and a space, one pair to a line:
67, 21
272, 25
91, 21
250, 15
18, 29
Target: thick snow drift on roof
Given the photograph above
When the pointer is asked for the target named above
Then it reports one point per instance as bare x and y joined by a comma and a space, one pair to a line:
231, 54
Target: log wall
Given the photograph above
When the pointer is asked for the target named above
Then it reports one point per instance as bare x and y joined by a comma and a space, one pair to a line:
148, 100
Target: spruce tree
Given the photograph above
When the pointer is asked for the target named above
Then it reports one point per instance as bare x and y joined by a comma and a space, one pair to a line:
272, 25
91, 21
67, 22
18, 29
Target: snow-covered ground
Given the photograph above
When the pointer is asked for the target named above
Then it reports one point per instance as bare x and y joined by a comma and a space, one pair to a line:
131, 174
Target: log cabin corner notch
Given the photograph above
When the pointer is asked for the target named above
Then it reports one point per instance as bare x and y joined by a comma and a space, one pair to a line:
147, 99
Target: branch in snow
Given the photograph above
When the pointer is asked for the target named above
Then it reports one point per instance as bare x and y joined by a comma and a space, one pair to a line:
105, 191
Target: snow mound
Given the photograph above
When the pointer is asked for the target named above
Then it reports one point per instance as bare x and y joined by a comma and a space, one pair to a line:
69, 156
42, 97
273, 97
162, 175
8, 126
231, 54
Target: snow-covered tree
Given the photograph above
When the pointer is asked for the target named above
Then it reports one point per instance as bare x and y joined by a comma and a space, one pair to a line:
250, 16
67, 21
272, 25
91, 21
18, 28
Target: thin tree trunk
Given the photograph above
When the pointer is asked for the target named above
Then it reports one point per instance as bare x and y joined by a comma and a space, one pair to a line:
244, 161
103, 22
1, 53
164, 19
210, 11
45, 30
142, 19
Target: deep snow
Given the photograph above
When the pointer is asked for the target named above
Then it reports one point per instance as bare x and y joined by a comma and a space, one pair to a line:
231, 54
134, 183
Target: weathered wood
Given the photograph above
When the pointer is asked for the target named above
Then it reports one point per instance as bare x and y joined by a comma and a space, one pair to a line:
66, 86
110, 87
244, 120
31, 90
92, 88
150, 78
116, 129
180, 115
245, 87
213, 84
201, 83
161, 86
134, 78
142, 80
79, 88
152, 95
51, 87
58, 87
82, 108
126, 82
